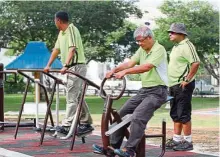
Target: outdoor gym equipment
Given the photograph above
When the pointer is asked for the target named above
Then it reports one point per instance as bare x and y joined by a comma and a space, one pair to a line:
110, 116
75, 122
25, 94
35, 56
3, 123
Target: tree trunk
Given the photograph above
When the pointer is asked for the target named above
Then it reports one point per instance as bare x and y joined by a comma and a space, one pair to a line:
212, 70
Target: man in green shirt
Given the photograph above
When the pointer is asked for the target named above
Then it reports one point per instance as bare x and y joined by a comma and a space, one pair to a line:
183, 65
69, 44
151, 61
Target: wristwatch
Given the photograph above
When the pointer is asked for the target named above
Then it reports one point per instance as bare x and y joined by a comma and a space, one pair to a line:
65, 65
186, 80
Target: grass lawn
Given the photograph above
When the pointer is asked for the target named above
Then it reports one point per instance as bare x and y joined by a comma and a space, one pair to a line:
12, 103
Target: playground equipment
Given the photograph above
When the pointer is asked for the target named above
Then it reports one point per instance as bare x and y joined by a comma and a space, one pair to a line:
2, 122
35, 56
110, 116
57, 81
33, 60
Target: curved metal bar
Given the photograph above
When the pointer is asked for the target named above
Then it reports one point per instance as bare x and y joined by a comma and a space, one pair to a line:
58, 80
49, 102
9, 71
105, 121
106, 115
48, 112
101, 89
107, 111
77, 116
21, 109
68, 71
74, 124
76, 121
112, 97
45, 91
91, 83
2, 105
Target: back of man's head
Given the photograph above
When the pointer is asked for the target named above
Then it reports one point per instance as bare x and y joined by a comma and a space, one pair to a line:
63, 16
143, 31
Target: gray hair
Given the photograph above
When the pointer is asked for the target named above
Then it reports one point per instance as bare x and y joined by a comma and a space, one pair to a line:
143, 31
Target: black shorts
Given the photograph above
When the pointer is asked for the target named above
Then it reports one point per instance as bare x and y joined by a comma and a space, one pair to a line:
181, 106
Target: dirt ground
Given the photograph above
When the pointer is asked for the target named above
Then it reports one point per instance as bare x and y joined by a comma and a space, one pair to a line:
204, 141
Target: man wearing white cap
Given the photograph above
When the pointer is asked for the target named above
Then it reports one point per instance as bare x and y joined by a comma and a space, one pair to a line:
183, 65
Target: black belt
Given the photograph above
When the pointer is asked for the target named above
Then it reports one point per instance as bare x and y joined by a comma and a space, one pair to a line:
163, 86
76, 64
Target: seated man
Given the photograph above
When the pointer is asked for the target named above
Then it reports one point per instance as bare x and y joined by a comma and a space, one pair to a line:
152, 65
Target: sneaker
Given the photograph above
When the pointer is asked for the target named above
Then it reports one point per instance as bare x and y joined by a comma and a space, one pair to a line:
171, 143
184, 146
124, 152
83, 129
100, 150
52, 129
63, 129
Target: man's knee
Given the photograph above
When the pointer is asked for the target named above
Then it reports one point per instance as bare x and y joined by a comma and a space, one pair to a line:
182, 119
139, 123
123, 112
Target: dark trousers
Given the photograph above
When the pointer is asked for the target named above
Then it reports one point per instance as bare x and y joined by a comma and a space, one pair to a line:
142, 107
181, 106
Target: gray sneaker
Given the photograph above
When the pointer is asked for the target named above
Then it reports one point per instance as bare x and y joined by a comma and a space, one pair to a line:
63, 129
183, 146
171, 143
83, 129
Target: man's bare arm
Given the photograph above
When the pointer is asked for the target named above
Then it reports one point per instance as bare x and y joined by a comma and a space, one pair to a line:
193, 70
53, 56
121, 67
70, 55
134, 70
125, 65
139, 69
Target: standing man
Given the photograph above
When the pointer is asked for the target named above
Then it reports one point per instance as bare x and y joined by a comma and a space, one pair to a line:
69, 44
183, 65
152, 65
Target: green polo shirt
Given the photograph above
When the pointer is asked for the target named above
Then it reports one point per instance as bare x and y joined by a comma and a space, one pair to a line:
182, 56
158, 57
67, 39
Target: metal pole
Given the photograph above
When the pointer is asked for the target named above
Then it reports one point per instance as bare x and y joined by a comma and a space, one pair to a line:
37, 100
201, 90
141, 148
1, 95
57, 105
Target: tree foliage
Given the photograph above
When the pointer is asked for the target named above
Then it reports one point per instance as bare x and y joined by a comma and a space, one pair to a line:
122, 42
24, 21
202, 23
14, 85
